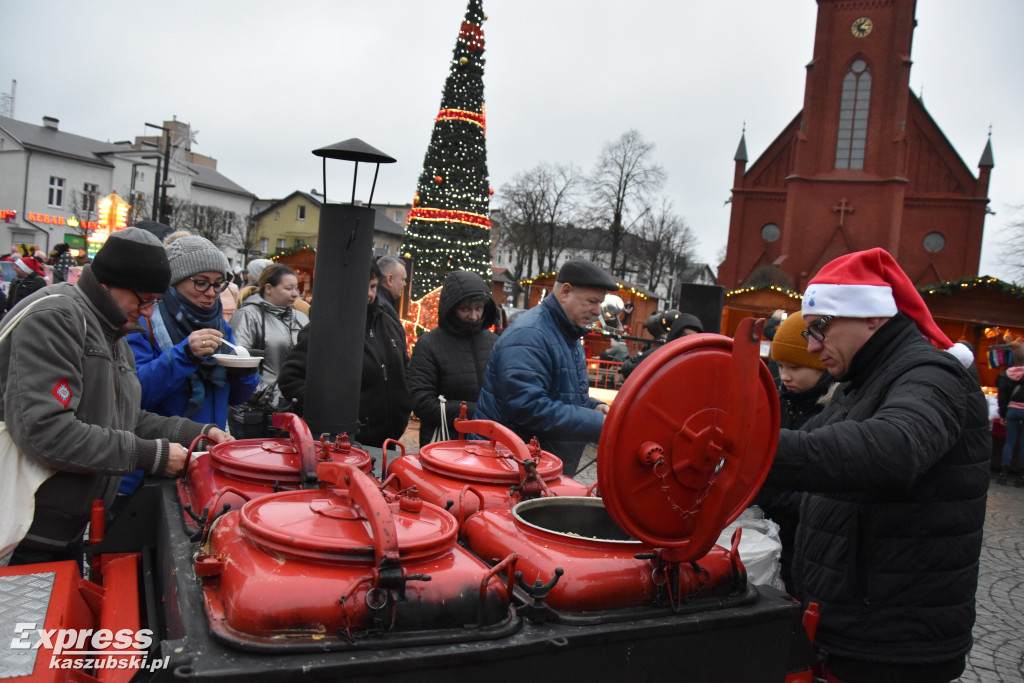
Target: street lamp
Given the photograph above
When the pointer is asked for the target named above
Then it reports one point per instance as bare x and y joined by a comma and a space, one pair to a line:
159, 210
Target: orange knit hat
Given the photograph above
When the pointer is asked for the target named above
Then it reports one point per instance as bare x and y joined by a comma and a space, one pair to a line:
789, 346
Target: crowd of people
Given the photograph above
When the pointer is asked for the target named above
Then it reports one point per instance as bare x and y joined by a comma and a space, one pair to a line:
878, 483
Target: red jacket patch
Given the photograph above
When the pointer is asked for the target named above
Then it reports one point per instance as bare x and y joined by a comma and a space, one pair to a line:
62, 392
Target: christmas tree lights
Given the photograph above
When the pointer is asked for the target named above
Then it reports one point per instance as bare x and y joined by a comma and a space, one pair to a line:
449, 226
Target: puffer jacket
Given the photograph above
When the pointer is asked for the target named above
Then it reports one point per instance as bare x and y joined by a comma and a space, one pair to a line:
450, 360
1007, 384
897, 466
71, 401
272, 331
536, 384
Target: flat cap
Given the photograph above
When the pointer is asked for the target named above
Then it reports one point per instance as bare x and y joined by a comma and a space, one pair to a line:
582, 273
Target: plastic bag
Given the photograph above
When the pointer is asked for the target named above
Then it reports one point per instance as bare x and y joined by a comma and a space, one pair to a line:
760, 547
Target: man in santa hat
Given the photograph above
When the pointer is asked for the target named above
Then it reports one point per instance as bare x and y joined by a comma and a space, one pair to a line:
30, 278
896, 467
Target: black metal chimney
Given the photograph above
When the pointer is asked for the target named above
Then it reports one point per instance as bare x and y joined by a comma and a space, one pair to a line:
338, 318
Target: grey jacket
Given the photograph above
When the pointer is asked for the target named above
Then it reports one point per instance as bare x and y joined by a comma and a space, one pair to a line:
272, 330
71, 401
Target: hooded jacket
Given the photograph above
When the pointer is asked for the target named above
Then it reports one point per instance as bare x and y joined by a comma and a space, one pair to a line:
897, 470
536, 384
450, 359
71, 401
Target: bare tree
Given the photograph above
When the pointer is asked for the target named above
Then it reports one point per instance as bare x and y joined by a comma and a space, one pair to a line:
622, 181
666, 245
1012, 248
537, 206
215, 224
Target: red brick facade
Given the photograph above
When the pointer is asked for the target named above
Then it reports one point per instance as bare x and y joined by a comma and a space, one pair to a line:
862, 165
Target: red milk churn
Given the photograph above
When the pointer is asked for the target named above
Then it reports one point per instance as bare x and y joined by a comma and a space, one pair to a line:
684, 450
236, 471
327, 568
471, 475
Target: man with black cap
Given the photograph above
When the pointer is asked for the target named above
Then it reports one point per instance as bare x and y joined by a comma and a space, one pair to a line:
71, 398
536, 380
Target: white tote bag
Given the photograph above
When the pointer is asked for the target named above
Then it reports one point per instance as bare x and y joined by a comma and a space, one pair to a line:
20, 477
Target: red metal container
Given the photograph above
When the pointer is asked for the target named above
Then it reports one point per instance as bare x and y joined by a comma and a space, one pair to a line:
234, 472
684, 449
471, 475
324, 568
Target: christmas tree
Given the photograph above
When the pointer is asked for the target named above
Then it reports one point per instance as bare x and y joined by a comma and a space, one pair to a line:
449, 228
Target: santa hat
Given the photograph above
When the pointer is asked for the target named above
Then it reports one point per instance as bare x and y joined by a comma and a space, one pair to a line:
27, 264
870, 284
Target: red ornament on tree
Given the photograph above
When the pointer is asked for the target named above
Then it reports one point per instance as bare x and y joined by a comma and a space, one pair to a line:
438, 179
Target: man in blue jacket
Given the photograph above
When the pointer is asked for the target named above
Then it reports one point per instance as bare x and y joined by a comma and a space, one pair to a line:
536, 380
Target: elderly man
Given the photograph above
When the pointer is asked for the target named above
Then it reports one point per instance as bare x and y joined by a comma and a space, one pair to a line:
392, 283
896, 467
70, 394
536, 381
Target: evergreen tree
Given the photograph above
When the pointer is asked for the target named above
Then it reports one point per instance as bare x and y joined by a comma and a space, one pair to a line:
449, 227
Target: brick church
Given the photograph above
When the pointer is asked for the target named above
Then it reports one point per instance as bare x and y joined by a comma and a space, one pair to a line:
862, 165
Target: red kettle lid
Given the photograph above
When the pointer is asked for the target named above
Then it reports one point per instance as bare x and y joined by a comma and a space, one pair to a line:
276, 459
689, 441
484, 462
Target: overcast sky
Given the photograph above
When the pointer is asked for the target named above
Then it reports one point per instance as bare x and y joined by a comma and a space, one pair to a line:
264, 83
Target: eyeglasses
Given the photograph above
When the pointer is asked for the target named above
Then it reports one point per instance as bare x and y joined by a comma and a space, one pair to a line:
203, 285
817, 329
143, 303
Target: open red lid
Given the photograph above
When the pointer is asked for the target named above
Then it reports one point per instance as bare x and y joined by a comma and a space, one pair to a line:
483, 462
689, 441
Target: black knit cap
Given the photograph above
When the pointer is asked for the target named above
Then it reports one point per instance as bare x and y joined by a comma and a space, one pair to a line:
133, 259
582, 273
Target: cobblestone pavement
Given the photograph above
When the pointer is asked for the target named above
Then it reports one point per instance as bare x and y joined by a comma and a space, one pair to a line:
998, 653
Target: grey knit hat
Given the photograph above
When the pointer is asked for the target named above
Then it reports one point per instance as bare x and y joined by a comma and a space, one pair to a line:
257, 266
132, 259
191, 254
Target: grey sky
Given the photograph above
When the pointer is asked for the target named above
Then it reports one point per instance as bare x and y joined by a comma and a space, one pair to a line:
264, 83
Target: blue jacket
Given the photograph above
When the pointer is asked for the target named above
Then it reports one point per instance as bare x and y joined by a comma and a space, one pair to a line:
536, 384
164, 376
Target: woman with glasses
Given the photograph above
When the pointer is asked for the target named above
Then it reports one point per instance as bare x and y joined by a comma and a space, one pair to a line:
268, 324
181, 333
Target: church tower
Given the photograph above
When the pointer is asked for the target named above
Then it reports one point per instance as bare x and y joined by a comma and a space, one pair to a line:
862, 165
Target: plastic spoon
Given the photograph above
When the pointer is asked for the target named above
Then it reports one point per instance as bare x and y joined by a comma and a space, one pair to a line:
240, 351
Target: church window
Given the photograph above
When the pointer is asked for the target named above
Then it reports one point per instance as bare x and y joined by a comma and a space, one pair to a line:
853, 116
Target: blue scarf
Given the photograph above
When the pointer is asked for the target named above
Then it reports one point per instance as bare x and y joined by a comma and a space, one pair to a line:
179, 318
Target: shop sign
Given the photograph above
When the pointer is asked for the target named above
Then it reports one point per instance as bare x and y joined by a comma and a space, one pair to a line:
60, 220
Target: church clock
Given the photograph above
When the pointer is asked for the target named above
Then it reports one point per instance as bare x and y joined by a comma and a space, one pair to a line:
861, 27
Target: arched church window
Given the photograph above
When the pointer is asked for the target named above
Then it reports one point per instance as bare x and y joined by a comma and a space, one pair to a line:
853, 116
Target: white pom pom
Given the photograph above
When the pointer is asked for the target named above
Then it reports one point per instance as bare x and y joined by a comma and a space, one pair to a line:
962, 354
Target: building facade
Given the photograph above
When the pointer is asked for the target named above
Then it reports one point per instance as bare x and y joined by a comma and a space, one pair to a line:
862, 165
51, 182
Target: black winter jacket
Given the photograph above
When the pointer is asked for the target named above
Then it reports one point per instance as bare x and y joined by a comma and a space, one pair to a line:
889, 537
22, 287
384, 407
450, 360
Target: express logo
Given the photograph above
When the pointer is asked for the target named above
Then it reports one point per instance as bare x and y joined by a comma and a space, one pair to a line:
62, 392
81, 641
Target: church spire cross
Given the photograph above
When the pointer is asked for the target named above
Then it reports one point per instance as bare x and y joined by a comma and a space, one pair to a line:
842, 208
